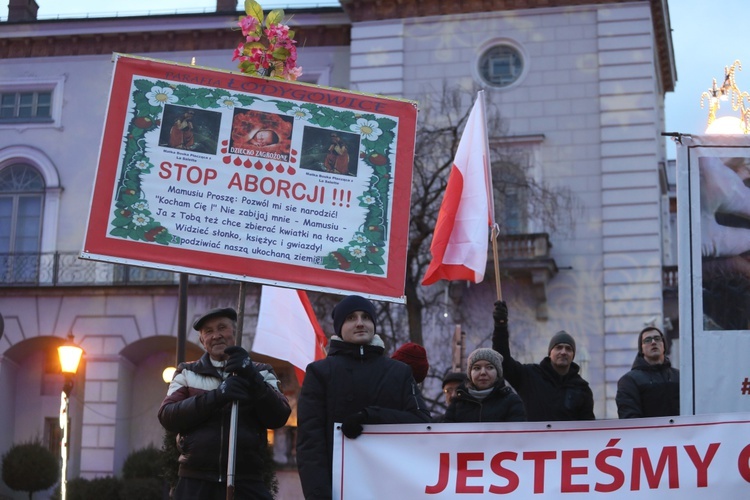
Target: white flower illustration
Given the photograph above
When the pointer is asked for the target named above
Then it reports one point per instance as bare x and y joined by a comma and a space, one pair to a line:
140, 205
361, 239
368, 129
357, 251
159, 96
299, 113
140, 219
229, 102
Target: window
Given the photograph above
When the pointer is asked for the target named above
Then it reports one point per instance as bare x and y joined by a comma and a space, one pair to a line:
31, 102
21, 205
31, 106
501, 65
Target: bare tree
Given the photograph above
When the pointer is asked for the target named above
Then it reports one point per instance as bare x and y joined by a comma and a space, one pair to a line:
518, 189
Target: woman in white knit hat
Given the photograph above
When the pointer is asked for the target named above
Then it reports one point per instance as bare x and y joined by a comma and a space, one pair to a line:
485, 397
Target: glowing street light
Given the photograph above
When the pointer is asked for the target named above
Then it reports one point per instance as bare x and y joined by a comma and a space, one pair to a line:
70, 356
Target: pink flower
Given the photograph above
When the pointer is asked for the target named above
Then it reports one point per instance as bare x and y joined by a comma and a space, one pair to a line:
248, 24
238, 52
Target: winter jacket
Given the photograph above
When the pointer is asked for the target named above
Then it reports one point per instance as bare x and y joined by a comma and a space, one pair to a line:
195, 410
501, 405
649, 390
547, 395
352, 378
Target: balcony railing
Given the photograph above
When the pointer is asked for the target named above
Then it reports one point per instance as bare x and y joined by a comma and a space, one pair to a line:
66, 269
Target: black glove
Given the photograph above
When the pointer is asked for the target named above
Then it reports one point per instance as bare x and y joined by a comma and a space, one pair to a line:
234, 389
239, 363
500, 312
352, 425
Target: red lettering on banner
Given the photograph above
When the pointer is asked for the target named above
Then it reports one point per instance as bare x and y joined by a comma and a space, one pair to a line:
701, 466
463, 472
496, 464
538, 457
743, 463
641, 457
443, 471
281, 188
193, 174
618, 476
568, 471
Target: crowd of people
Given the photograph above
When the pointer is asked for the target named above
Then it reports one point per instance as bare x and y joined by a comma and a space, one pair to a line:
357, 385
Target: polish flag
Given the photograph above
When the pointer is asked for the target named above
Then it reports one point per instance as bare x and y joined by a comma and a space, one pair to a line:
288, 329
459, 243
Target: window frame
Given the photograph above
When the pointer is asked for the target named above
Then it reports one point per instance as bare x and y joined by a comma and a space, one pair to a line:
493, 44
24, 85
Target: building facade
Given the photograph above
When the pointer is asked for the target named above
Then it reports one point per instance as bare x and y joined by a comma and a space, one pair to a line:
580, 85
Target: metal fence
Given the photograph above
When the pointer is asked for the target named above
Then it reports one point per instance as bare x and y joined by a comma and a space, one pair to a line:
67, 269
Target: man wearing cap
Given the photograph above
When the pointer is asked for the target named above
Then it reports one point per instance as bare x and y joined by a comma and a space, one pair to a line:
652, 387
552, 390
355, 385
198, 408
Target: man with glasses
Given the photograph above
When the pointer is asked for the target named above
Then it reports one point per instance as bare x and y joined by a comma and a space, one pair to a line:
652, 387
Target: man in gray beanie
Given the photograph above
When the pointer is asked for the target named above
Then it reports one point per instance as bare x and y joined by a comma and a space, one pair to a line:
552, 390
355, 385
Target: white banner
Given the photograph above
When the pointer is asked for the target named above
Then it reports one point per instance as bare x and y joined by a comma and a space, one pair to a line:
664, 458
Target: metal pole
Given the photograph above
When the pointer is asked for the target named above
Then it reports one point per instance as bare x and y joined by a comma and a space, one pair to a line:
235, 405
64, 425
182, 318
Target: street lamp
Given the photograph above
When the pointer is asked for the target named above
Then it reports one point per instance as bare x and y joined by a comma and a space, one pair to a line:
70, 355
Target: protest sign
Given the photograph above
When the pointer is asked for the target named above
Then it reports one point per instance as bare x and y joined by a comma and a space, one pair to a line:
222, 174
714, 277
664, 458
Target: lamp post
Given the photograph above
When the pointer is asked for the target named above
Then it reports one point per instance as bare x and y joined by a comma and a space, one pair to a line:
70, 355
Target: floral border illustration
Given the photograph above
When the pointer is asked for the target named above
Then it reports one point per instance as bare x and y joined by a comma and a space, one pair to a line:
133, 219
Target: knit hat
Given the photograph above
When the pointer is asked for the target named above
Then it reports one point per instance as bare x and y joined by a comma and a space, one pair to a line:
650, 329
459, 377
224, 312
561, 337
415, 356
487, 354
349, 305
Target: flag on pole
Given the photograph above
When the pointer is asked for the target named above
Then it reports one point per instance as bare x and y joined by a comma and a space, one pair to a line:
459, 243
288, 329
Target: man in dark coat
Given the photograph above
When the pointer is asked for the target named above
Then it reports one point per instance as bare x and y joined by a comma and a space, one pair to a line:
652, 387
198, 408
355, 385
552, 390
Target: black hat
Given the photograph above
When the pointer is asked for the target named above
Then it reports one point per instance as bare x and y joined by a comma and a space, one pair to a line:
225, 312
459, 377
349, 305
561, 337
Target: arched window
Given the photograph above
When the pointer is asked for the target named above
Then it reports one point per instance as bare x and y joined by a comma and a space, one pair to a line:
21, 205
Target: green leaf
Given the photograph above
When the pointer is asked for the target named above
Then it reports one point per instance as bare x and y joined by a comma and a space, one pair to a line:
281, 54
372, 269
253, 8
119, 232
376, 259
276, 16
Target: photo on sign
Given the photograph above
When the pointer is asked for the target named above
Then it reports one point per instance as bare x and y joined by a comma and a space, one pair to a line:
190, 129
725, 242
261, 134
330, 151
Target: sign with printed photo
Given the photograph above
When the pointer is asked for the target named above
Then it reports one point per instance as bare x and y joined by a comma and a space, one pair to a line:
713, 219
222, 174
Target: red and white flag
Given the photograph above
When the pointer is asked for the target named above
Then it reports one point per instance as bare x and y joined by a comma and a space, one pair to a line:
459, 243
288, 329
